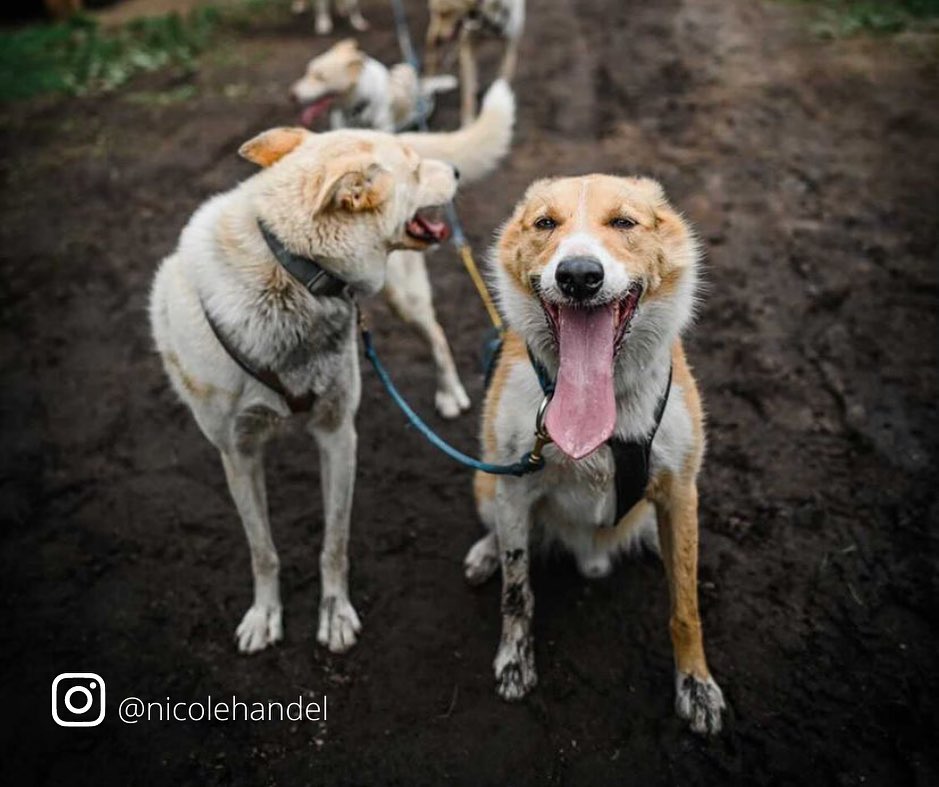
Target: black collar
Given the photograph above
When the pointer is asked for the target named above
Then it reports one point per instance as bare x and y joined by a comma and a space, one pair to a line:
315, 279
631, 458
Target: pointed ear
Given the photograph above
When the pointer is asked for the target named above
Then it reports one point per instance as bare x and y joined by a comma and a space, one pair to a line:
271, 146
356, 189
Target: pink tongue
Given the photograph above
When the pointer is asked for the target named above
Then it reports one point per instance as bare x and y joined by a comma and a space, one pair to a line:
312, 111
582, 412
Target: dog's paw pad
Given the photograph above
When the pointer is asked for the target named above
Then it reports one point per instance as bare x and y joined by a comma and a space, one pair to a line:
515, 670
339, 624
261, 626
481, 561
699, 702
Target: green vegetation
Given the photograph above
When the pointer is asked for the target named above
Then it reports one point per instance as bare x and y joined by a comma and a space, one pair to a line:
80, 57
848, 17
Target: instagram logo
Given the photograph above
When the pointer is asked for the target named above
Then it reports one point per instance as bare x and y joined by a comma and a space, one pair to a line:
78, 699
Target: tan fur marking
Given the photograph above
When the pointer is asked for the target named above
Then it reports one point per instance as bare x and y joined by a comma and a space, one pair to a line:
271, 146
196, 389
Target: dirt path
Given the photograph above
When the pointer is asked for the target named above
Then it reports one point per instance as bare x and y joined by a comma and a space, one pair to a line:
809, 168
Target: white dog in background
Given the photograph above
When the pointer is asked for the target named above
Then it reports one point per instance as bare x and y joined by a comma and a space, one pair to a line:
360, 92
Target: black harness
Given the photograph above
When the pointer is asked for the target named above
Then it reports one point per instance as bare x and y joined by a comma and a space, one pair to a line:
631, 458
317, 281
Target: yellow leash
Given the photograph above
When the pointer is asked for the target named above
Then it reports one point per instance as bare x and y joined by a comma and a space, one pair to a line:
466, 254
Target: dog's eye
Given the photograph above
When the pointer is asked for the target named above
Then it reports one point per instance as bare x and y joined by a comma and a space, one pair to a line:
545, 223
622, 223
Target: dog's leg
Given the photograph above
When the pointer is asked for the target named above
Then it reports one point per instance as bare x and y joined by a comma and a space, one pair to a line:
515, 660
432, 47
469, 79
408, 291
482, 560
356, 19
698, 698
261, 625
324, 22
338, 621
509, 60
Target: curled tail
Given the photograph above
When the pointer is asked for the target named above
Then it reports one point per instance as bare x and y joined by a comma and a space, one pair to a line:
477, 148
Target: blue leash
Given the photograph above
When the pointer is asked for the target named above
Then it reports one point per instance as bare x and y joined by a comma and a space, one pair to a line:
529, 463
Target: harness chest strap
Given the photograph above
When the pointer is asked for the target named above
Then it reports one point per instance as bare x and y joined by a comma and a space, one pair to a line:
317, 281
630, 457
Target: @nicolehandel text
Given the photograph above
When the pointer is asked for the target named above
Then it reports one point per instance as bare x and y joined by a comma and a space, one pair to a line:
133, 710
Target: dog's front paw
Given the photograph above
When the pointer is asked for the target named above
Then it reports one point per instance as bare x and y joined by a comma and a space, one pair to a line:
339, 624
515, 668
261, 626
699, 702
450, 403
324, 25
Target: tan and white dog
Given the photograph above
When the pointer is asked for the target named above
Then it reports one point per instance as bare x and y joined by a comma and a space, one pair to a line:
596, 276
324, 21
360, 92
247, 344
469, 20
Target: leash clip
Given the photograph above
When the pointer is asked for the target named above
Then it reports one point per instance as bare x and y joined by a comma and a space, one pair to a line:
542, 438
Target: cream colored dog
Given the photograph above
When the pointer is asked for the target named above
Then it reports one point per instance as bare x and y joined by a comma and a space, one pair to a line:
597, 278
254, 319
360, 92
469, 20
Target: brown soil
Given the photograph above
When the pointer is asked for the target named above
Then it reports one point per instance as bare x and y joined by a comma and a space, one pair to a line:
810, 169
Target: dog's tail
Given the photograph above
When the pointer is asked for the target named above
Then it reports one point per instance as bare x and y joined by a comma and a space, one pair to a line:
438, 84
477, 148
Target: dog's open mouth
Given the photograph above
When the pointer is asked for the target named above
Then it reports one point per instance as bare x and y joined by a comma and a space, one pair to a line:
314, 109
582, 413
426, 226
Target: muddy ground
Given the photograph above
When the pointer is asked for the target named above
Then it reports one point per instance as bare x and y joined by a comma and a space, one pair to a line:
809, 167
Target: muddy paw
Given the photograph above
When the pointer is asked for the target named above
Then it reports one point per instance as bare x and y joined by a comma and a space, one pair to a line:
699, 702
515, 669
452, 402
482, 560
339, 624
261, 626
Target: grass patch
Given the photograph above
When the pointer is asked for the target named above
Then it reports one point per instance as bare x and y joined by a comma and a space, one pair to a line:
839, 18
79, 57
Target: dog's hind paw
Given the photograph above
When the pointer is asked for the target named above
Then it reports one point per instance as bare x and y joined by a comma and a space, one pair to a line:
261, 626
699, 702
339, 624
515, 669
358, 22
452, 402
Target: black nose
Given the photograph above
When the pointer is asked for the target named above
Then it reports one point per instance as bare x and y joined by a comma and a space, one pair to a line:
456, 172
579, 278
